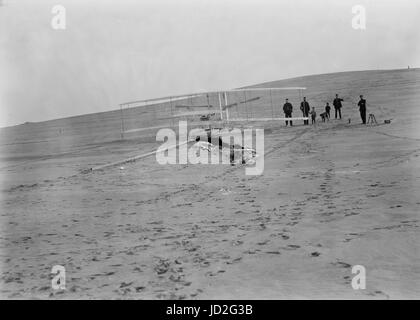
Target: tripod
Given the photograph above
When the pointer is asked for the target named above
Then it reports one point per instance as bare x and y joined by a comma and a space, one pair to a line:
371, 119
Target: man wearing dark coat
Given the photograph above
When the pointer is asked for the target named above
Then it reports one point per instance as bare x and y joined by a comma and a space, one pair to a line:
362, 109
304, 107
288, 109
337, 105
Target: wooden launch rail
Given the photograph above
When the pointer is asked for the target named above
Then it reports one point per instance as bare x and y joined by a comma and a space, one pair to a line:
131, 159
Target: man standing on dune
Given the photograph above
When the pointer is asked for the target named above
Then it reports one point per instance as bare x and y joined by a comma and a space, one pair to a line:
288, 109
337, 105
362, 109
304, 107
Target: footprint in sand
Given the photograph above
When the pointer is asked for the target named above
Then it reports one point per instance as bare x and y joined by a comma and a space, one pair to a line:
262, 243
341, 264
291, 247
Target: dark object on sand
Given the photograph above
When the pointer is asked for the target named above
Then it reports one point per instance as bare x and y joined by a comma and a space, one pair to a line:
387, 121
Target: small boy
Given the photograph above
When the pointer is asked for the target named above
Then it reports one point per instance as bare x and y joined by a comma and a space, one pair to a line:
327, 110
313, 115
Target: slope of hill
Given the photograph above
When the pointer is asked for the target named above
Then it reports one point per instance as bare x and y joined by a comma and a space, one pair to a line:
390, 93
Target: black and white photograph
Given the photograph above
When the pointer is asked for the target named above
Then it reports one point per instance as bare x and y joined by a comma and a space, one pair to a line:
209, 150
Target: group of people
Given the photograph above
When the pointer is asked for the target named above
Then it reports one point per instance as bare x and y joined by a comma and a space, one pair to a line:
306, 110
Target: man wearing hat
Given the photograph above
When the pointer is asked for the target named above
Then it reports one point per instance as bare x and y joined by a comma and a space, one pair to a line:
288, 109
362, 109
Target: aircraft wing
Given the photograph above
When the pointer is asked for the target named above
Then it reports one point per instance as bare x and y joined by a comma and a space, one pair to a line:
241, 102
193, 113
193, 106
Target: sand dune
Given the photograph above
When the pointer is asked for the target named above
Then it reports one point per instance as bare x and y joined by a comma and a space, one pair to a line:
332, 196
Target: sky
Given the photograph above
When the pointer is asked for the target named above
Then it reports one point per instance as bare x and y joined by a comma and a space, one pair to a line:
116, 51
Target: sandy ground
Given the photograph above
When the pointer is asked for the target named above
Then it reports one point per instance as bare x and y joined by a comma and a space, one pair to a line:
331, 196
